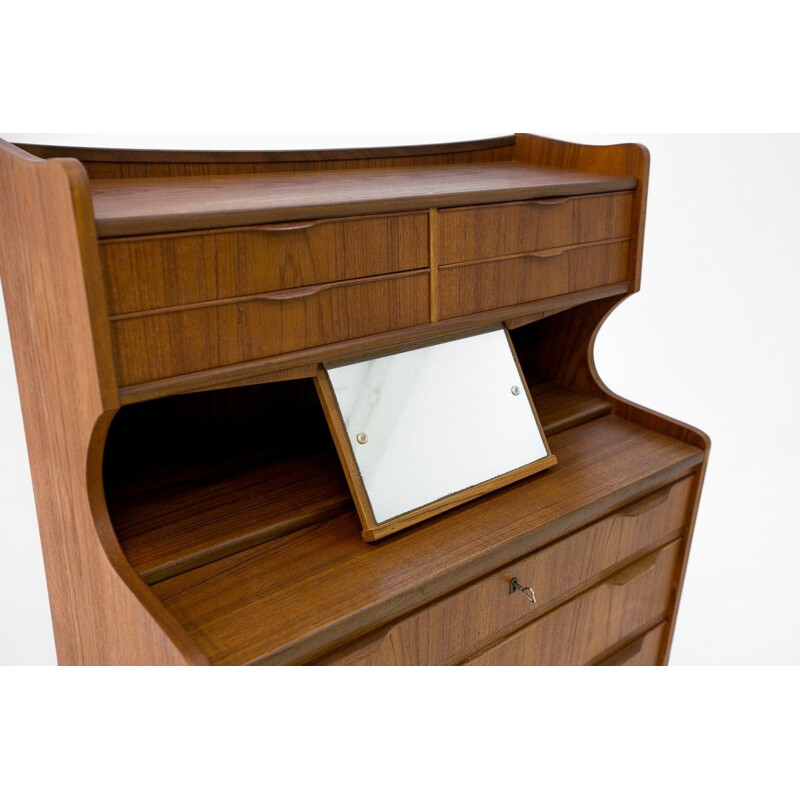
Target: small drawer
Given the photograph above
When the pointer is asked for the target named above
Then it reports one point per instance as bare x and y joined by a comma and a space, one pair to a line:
470, 288
154, 345
164, 271
447, 630
487, 232
643, 652
583, 628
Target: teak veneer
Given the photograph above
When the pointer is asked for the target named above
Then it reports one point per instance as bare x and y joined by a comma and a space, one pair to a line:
169, 312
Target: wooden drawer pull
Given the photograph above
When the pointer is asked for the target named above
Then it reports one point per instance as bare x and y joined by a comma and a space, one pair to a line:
647, 503
634, 571
626, 654
552, 253
286, 227
292, 294
527, 591
553, 201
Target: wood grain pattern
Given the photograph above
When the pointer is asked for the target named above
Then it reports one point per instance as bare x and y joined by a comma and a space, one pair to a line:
171, 270
135, 207
595, 620
470, 288
263, 605
447, 631
148, 347
56, 309
479, 233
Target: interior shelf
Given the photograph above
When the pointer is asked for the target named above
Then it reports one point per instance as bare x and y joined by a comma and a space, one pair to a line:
560, 408
167, 532
172, 516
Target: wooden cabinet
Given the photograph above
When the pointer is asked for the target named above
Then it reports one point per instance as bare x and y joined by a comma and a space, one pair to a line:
168, 313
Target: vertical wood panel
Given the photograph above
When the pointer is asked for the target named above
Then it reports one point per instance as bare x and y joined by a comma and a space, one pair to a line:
102, 612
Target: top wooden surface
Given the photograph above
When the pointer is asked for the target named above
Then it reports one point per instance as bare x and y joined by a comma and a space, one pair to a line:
160, 205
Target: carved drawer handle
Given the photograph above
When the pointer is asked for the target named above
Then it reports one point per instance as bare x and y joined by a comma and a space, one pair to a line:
626, 654
527, 591
293, 294
634, 571
552, 201
286, 227
640, 507
552, 253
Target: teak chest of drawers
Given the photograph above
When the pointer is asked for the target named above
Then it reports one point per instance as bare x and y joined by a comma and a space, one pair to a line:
168, 312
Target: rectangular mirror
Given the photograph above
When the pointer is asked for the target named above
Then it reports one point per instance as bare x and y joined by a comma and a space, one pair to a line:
423, 430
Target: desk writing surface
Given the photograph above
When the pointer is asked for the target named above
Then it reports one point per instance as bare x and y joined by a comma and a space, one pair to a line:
159, 205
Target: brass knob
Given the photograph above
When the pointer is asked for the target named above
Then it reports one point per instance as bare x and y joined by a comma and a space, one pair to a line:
516, 586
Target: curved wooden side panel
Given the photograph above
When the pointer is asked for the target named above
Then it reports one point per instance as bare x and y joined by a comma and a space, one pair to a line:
563, 345
102, 612
677, 430
561, 349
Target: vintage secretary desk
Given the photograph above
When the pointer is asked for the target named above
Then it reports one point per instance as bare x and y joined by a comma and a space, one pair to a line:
168, 313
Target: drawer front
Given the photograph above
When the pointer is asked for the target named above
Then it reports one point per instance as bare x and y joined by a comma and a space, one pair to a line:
583, 628
470, 288
447, 630
158, 345
486, 232
165, 271
643, 652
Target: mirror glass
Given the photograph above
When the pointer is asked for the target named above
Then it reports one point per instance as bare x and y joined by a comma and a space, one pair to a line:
430, 422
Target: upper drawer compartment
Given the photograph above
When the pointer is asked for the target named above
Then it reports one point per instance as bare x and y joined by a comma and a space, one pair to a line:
481, 232
448, 629
159, 344
485, 285
161, 271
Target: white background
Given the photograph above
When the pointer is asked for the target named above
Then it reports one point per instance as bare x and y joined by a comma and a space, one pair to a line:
710, 339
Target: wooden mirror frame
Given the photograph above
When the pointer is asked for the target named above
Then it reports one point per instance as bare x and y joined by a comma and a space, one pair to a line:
372, 530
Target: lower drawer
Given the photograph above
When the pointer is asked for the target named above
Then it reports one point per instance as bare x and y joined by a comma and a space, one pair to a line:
642, 652
449, 629
582, 629
470, 288
153, 345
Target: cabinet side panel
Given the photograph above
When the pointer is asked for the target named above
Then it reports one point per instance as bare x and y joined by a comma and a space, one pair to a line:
101, 611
